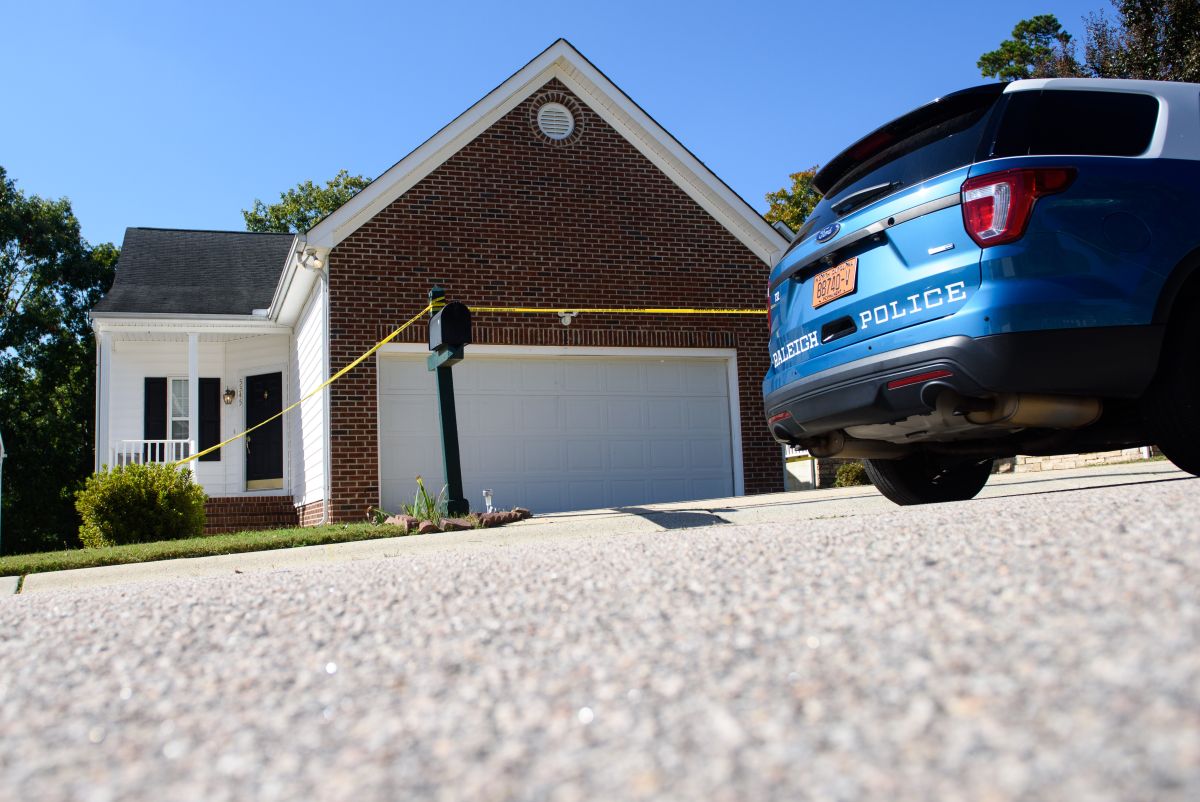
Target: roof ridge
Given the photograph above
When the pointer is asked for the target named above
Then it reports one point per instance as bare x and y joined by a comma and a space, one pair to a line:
213, 231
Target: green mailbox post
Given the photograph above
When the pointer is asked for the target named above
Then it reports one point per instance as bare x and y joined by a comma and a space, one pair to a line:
449, 335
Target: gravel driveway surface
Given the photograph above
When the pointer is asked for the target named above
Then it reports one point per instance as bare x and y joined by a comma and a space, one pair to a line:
1044, 646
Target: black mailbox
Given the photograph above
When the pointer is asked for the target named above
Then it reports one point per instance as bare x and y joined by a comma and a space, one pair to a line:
450, 327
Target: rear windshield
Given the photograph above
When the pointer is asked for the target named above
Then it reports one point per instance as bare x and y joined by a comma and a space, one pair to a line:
926, 142
1064, 122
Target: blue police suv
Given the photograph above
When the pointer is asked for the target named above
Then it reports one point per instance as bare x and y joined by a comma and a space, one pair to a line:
1010, 269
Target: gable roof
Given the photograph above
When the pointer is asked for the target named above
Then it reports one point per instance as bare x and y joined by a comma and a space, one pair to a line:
174, 271
562, 61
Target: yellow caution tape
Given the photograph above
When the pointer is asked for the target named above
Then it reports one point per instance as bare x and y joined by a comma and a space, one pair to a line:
438, 304
315, 390
579, 310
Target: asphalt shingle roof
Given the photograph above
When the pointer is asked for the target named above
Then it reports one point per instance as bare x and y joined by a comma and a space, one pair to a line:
173, 271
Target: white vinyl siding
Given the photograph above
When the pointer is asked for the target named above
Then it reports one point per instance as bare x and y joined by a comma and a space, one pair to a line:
231, 361
307, 425
560, 432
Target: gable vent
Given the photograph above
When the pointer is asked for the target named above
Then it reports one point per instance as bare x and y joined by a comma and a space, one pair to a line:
555, 121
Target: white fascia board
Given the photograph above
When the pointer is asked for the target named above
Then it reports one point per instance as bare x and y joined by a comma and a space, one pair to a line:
291, 264
560, 61
212, 324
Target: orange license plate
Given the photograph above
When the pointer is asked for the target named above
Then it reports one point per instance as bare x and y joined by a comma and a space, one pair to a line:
831, 284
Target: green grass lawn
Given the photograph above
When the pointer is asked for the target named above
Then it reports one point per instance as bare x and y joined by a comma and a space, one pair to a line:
234, 543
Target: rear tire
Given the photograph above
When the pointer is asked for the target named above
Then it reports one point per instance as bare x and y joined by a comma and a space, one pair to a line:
929, 479
1171, 406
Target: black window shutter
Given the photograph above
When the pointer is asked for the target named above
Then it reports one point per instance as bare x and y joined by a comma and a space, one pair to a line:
154, 416
210, 418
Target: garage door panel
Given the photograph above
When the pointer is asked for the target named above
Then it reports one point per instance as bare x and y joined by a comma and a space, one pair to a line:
709, 454
667, 455
543, 375
585, 455
619, 379
583, 414
709, 378
625, 455
705, 414
562, 433
537, 414
666, 378
496, 457
628, 493
478, 415
542, 455
586, 495
707, 488
670, 488
407, 416
582, 377
625, 414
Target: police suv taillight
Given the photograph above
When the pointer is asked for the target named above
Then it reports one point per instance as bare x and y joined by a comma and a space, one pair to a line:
996, 207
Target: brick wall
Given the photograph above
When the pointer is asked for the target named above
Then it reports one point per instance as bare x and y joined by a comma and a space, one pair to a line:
240, 513
310, 514
515, 219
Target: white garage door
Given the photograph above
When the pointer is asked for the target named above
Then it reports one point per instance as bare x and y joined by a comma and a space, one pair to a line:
562, 433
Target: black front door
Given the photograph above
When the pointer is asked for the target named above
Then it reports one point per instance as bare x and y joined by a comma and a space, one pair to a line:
264, 446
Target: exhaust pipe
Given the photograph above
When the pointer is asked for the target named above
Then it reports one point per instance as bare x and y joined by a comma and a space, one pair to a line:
1040, 411
837, 444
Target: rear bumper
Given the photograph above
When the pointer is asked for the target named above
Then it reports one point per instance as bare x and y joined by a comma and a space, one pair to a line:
1105, 362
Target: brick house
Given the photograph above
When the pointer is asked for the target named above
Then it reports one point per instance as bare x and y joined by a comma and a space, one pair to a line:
553, 191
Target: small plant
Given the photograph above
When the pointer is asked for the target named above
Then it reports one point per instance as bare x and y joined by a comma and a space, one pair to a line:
851, 474
377, 516
139, 504
425, 507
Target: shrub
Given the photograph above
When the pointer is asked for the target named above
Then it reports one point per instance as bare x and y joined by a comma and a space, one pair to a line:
851, 474
139, 504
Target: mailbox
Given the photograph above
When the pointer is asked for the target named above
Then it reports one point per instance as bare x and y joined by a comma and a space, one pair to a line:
450, 328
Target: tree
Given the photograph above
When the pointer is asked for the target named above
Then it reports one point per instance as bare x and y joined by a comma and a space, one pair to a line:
1039, 48
1149, 40
793, 206
49, 279
301, 208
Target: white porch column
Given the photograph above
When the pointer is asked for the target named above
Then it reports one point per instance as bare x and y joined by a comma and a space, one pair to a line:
103, 400
194, 387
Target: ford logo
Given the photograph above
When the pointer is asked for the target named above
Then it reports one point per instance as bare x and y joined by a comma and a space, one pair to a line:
828, 232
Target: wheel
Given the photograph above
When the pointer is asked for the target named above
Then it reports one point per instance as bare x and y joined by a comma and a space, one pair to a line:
927, 479
1171, 405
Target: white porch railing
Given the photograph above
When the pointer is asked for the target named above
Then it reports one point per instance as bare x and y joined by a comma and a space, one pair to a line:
144, 452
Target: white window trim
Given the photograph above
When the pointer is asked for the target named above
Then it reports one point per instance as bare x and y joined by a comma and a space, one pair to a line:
171, 418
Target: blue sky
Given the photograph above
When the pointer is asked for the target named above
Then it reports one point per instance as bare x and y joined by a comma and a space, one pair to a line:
181, 114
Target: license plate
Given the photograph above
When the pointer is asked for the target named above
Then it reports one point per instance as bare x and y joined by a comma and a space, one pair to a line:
831, 284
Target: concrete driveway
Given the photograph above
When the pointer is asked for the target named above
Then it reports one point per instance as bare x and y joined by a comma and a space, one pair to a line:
1041, 643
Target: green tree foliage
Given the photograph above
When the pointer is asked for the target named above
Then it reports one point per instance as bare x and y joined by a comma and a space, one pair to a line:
1039, 48
301, 208
1148, 40
792, 205
49, 279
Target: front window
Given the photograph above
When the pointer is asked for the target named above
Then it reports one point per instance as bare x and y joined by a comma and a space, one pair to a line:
177, 409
